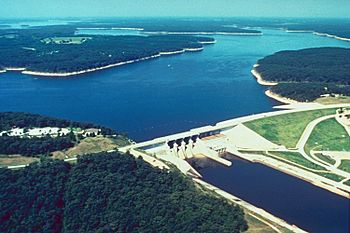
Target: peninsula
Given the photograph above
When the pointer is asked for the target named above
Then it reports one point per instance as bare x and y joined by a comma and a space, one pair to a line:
307, 75
56, 51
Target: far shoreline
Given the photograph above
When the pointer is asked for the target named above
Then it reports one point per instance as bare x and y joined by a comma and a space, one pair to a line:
317, 34
74, 73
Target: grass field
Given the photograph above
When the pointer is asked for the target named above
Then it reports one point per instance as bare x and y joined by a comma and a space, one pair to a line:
257, 226
328, 135
6, 160
286, 129
345, 165
347, 183
331, 176
91, 145
333, 100
65, 40
325, 158
296, 157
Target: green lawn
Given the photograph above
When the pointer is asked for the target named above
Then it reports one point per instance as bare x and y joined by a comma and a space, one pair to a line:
328, 135
331, 176
345, 165
299, 159
296, 157
325, 158
286, 129
347, 183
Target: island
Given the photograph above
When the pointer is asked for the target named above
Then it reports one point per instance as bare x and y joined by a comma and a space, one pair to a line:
307, 75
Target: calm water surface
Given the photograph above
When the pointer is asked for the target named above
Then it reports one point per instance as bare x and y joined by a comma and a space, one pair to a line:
175, 93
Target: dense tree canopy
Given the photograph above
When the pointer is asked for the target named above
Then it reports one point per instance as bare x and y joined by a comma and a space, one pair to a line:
30, 49
109, 193
307, 74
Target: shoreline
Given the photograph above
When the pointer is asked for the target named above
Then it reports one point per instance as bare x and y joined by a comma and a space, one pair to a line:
112, 28
331, 36
281, 99
50, 74
259, 78
204, 33
317, 34
269, 93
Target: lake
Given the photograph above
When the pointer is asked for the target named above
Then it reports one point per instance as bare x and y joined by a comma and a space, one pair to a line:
175, 93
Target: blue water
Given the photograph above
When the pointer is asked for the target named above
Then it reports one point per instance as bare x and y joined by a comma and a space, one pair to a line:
175, 93
296, 201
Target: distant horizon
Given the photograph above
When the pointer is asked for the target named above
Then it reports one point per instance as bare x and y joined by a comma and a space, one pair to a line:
178, 8
165, 17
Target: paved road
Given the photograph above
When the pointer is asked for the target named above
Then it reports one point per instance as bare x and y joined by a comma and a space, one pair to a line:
303, 140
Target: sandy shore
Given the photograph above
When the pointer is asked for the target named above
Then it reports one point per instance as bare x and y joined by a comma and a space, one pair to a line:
269, 93
331, 36
259, 79
112, 28
88, 70
280, 98
204, 33
317, 34
208, 42
14, 69
297, 31
49, 74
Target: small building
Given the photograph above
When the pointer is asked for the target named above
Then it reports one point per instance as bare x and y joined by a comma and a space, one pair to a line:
91, 132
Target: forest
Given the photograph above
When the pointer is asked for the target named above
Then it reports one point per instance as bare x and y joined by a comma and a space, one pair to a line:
306, 74
110, 192
28, 48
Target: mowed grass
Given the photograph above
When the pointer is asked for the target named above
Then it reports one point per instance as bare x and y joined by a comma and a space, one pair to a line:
256, 226
286, 129
297, 158
88, 146
13, 160
325, 158
328, 135
347, 183
345, 165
